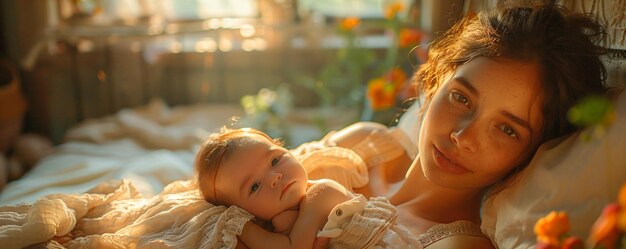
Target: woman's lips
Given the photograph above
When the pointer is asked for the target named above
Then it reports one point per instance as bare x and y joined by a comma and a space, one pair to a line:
447, 164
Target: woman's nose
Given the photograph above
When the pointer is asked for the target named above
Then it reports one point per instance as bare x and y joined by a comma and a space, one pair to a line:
276, 178
464, 136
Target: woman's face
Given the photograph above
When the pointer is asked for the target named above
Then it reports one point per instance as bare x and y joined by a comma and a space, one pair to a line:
482, 122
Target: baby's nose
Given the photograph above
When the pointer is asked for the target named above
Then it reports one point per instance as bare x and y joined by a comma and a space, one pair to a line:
276, 179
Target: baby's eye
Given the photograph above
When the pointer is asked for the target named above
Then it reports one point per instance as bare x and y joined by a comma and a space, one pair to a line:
275, 161
459, 97
255, 186
509, 131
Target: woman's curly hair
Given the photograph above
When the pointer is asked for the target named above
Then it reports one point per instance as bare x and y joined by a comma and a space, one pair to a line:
562, 43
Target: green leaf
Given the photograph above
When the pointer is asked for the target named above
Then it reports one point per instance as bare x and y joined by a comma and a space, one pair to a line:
592, 110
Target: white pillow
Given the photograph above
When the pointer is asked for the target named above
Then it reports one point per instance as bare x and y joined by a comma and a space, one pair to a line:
576, 176
410, 123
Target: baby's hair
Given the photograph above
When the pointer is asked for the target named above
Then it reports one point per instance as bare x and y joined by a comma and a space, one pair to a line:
217, 148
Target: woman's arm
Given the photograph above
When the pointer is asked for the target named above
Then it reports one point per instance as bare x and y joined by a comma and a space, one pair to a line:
387, 160
353, 134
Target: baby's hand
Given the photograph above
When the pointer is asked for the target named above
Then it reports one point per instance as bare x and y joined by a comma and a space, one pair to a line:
284, 221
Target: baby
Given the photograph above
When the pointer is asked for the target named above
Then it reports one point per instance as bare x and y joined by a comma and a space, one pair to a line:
249, 169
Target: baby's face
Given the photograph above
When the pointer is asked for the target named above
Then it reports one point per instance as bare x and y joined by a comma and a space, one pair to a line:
262, 178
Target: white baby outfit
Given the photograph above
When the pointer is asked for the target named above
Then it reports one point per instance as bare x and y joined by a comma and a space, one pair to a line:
359, 223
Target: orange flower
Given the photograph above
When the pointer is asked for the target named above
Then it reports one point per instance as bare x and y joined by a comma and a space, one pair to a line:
621, 220
409, 38
349, 23
381, 94
621, 199
397, 77
543, 245
604, 231
550, 228
573, 243
393, 9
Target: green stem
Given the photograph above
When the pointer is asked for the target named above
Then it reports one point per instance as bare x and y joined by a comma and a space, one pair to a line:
392, 50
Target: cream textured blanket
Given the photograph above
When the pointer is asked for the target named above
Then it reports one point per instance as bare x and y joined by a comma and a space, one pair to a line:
115, 215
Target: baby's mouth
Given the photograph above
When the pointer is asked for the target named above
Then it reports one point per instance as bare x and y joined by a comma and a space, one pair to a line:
285, 188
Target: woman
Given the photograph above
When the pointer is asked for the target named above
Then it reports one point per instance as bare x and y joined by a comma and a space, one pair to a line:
495, 86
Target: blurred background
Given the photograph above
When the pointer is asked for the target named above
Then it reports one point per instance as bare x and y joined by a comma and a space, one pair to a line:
99, 70
80, 59
322, 64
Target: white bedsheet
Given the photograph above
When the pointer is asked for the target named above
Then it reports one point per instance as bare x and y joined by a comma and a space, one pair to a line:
151, 146
76, 171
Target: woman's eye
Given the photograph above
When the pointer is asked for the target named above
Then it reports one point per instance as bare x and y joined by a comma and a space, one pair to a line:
509, 131
255, 186
459, 97
275, 161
